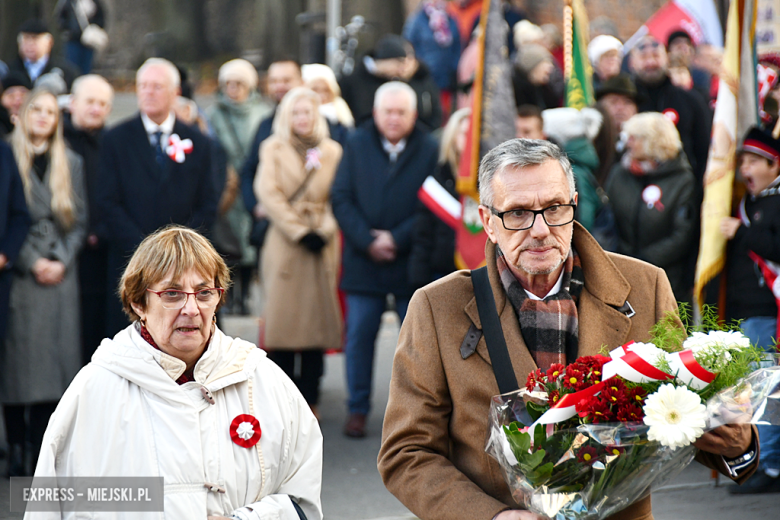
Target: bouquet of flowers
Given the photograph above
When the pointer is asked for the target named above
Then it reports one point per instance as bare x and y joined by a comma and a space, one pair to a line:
587, 439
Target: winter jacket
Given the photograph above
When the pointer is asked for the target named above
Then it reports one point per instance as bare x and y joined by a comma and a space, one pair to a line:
433, 241
747, 294
124, 415
429, 111
371, 192
442, 61
584, 162
689, 113
656, 215
69, 23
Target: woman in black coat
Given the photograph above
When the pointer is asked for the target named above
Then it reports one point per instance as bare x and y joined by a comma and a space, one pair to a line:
433, 240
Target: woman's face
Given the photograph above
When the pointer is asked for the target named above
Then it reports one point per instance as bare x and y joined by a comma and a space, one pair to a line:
42, 117
461, 135
321, 88
237, 91
635, 145
181, 333
303, 117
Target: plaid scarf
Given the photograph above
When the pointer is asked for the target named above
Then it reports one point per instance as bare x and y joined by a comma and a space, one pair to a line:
550, 326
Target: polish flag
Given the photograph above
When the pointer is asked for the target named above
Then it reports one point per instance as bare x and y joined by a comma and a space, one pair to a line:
437, 199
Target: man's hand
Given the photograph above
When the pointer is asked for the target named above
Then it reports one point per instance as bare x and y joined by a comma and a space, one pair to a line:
3, 261
729, 440
729, 227
259, 212
382, 249
517, 514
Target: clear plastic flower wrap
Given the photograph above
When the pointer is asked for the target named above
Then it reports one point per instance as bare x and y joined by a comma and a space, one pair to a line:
591, 471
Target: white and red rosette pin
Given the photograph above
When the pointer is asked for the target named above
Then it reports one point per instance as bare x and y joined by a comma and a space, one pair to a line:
245, 430
178, 148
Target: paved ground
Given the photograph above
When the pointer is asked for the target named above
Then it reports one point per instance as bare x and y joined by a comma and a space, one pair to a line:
352, 488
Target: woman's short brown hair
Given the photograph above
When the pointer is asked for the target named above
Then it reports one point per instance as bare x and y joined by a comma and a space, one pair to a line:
173, 247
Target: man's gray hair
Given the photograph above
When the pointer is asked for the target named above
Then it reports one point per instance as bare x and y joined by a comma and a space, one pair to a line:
170, 68
393, 87
81, 82
519, 153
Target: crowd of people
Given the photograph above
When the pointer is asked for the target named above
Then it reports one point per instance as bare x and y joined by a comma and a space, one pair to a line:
312, 180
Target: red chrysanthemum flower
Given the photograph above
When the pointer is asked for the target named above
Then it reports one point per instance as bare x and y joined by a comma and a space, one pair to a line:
600, 411
553, 397
534, 378
614, 392
554, 372
630, 413
587, 455
614, 449
574, 378
637, 395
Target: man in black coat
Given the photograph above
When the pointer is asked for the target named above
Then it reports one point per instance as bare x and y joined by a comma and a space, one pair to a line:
283, 76
14, 223
374, 198
35, 58
83, 127
154, 171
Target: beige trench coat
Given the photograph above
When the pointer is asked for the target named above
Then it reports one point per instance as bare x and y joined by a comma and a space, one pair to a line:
302, 309
433, 442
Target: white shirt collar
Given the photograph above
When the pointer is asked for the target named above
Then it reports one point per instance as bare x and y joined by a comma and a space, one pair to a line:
166, 127
35, 68
555, 290
394, 150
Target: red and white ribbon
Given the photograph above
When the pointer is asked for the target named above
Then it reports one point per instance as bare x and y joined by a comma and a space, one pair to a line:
566, 407
437, 199
313, 159
177, 148
689, 371
635, 366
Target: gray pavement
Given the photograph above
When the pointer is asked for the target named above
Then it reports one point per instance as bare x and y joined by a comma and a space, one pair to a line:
352, 488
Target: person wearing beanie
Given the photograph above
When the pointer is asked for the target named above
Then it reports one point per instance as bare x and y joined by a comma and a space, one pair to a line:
531, 77
235, 119
14, 87
35, 59
384, 63
619, 97
606, 56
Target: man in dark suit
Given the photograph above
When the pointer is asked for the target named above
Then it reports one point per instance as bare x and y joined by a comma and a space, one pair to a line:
154, 171
35, 59
374, 198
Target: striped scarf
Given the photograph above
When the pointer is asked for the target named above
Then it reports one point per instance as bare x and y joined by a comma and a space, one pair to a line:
550, 326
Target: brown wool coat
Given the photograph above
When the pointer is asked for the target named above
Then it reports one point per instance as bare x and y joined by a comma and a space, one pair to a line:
433, 442
302, 309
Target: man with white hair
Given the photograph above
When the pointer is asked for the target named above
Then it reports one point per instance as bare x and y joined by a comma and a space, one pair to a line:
84, 127
553, 295
154, 171
374, 199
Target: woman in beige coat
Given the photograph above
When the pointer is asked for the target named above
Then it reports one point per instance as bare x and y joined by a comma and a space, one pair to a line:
300, 257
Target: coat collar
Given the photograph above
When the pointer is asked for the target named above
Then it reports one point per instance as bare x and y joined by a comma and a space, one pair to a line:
600, 323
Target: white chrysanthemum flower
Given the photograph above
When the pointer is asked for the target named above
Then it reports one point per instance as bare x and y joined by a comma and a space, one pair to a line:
675, 415
712, 350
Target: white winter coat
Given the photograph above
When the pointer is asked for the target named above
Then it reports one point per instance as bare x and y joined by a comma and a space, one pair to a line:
124, 415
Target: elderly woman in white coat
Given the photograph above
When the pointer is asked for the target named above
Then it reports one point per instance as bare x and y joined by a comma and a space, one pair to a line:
42, 348
172, 396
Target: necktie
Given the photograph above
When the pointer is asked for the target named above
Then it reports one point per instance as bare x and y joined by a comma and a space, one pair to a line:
159, 154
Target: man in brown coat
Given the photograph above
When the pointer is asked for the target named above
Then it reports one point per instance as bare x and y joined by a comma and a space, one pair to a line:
539, 262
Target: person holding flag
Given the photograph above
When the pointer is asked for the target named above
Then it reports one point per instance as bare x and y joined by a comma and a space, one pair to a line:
752, 285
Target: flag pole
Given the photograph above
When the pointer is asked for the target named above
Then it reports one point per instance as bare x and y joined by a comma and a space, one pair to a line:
568, 30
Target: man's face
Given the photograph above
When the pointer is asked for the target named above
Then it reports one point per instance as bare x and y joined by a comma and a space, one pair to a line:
541, 249
283, 76
91, 104
649, 60
12, 99
394, 117
619, 107
529, 128
391, 67
34, 46
757, 173
156, 93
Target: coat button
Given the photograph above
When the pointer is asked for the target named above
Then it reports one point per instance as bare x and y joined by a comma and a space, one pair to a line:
207, 395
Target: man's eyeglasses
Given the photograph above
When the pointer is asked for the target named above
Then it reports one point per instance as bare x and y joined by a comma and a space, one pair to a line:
522, 219
175, 299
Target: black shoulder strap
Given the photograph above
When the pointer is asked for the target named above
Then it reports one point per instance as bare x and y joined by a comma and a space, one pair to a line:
494, 334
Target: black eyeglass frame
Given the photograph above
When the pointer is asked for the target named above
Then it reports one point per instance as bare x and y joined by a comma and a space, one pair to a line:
500, 214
